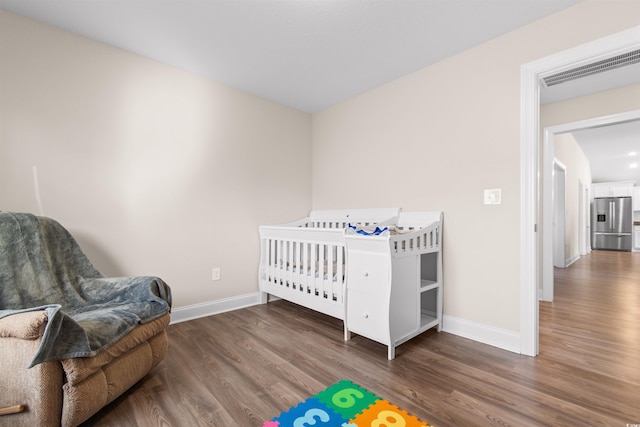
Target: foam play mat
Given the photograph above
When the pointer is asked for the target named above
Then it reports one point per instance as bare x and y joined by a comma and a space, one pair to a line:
345, 404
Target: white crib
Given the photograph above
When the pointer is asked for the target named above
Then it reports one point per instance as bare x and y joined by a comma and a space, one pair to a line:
385, 287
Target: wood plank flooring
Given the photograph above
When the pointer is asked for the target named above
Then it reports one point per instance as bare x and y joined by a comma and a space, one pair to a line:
244, 367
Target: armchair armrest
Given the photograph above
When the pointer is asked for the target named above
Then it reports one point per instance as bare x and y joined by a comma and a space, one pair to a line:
28, 325
28, 397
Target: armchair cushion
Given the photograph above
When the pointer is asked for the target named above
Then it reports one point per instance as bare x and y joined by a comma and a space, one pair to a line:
28, 325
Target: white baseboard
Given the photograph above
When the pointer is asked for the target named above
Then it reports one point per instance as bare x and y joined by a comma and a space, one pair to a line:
571, 260
501, 338
209, 308
497, 337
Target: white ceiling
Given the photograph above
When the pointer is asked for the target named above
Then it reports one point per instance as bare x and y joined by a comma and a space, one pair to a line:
608, 149
308, 54
312, 54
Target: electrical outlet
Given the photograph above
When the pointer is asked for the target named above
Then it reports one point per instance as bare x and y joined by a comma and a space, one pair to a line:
215, 273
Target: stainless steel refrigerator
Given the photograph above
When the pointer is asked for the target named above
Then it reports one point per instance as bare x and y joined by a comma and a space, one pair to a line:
612, 223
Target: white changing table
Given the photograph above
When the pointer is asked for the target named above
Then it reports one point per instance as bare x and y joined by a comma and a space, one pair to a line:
399, 296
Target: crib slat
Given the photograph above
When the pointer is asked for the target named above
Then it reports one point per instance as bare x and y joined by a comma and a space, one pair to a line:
339, 283
294, 264
312, 268
276, 263
271, 259
285, 257
329, 280
305, 266
283, 262
321, 258
299, 266
289, 266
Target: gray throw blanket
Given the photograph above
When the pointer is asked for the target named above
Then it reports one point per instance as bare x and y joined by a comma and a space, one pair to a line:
43, 268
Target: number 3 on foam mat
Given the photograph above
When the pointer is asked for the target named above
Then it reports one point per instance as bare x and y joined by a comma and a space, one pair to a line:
309, 418
310, 413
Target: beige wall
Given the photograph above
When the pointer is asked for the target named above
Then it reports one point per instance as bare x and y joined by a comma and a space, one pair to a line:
161, 172
578, 171
154, 170
437, 138
600, 104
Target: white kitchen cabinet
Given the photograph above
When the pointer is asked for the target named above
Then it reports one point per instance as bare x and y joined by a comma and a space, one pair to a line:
623, 190
636, 199
398, 297
600, 190
613, 189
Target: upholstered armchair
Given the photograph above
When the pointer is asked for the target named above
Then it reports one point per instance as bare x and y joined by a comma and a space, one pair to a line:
71, 340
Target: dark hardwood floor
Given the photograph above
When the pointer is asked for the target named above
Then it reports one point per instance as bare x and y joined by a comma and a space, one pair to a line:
244, 367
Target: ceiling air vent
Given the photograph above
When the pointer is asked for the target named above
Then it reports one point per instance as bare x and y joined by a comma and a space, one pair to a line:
593, 68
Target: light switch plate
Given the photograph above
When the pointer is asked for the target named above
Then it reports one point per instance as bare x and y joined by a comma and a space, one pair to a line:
493, 196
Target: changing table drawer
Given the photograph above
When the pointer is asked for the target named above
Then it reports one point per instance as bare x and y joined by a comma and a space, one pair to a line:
369, 274
368, 315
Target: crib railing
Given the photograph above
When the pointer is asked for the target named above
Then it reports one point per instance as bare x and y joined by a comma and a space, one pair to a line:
342, 218
312, 268
416, 236
305, 265
422, 240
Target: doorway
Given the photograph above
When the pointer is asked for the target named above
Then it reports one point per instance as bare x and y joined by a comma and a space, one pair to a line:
531, 74
548, 167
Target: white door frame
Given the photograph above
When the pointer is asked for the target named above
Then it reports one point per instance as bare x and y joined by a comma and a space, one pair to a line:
530, 76
587, 220
559, 191
581, 219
